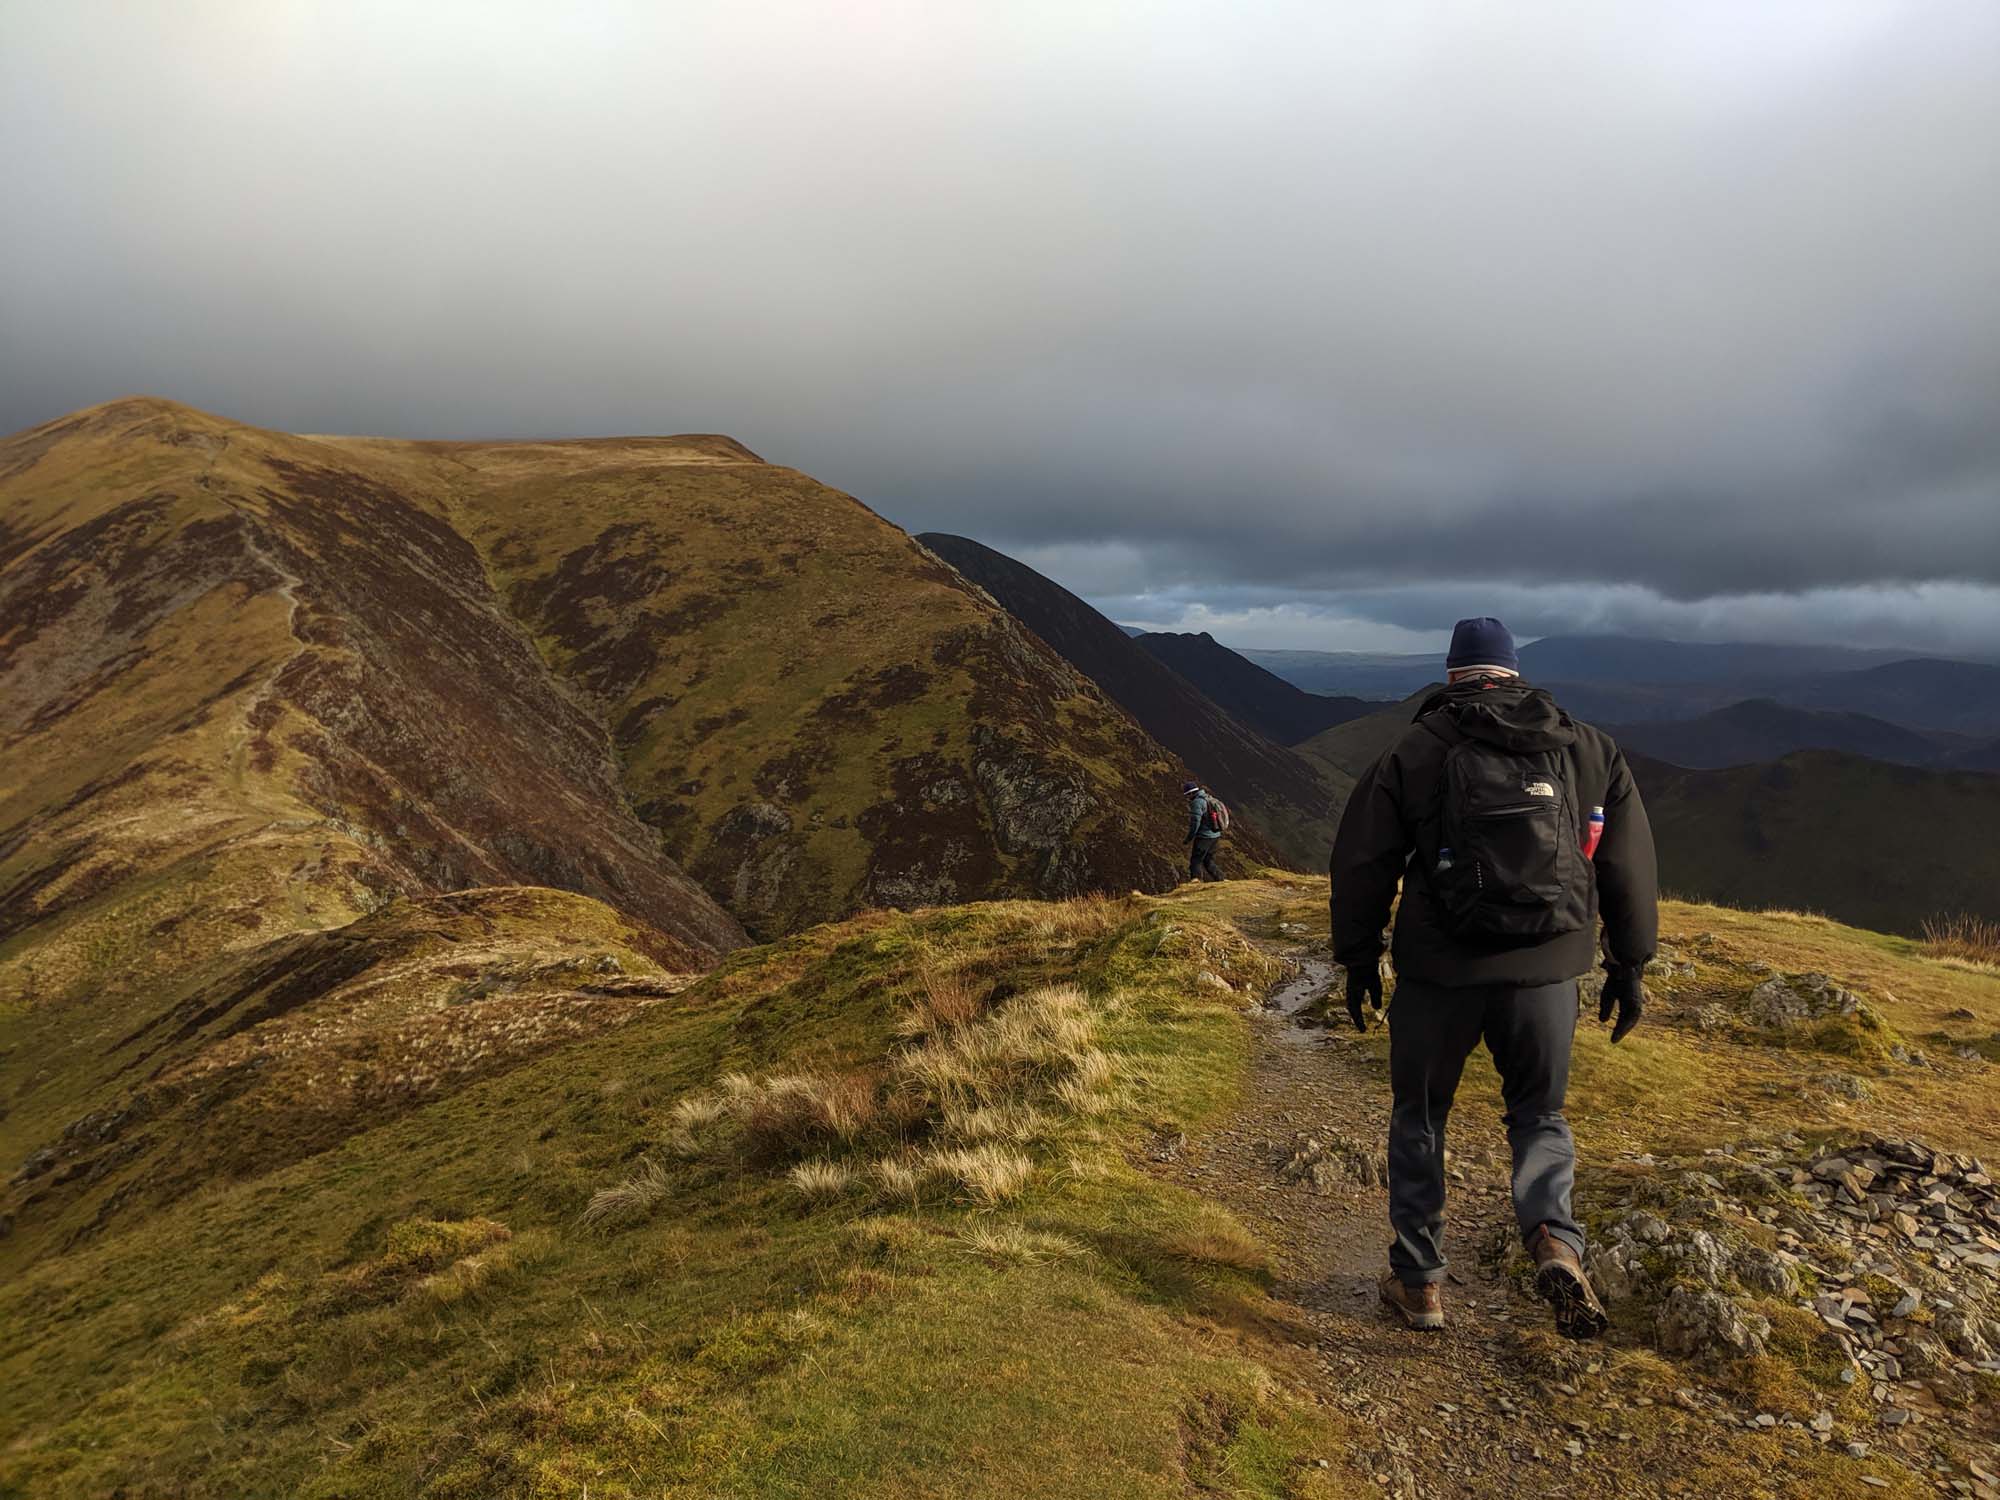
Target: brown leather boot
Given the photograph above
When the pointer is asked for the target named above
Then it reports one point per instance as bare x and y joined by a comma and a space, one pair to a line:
1418, 1306
1560, 1280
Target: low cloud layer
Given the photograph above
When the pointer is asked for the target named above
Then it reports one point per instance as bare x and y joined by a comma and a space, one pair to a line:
1668, 318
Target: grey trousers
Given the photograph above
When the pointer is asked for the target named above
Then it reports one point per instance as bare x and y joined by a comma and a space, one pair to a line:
1432, 1031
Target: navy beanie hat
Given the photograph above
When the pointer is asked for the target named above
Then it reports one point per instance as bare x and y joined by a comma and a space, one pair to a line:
1189, 788
1483, 642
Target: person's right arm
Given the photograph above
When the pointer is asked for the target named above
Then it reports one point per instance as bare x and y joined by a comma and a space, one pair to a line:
1369, 853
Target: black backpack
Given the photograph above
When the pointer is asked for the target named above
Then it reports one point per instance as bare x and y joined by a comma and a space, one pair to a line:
1508, 863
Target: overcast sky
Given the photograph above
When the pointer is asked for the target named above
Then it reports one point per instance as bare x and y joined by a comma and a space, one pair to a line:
1313, 324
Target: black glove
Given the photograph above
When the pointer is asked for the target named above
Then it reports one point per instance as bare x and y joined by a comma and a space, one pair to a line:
1364, 982
1625, 994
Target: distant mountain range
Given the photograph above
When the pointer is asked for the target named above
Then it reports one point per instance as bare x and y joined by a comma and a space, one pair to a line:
1629, 680
1761, 729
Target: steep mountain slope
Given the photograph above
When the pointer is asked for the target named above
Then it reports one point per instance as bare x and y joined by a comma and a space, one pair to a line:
1867, 842
1249, 694
813, 712
1763, 729
1280, 795
807, 710
265, 702
1353, 747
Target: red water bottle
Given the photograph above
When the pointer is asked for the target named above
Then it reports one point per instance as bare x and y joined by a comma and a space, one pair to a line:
1593, 831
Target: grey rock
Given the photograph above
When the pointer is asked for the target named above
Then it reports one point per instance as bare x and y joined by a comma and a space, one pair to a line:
1708, 1323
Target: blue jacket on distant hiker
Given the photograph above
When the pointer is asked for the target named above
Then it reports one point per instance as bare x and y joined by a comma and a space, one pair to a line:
1208, 820
1510, 828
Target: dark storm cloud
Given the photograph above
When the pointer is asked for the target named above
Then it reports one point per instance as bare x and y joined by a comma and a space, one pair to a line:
1643, 316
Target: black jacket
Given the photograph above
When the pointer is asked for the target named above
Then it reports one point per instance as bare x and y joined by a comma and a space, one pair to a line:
1395, 812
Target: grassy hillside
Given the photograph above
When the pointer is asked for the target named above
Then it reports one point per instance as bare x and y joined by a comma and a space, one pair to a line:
257, 682
874, 1229
812, 712
879, 1210
1354, 746
1761, 729
1883, 845
1283, 801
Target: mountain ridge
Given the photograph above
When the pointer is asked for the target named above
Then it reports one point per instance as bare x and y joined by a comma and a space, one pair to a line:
1281, 799
1247, 692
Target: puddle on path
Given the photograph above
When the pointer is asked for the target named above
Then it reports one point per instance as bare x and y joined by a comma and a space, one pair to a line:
1294, 995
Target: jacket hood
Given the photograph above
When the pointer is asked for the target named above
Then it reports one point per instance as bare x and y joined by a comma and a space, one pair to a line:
1511, 715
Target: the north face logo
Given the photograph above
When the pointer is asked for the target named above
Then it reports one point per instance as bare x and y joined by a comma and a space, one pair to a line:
1539, 789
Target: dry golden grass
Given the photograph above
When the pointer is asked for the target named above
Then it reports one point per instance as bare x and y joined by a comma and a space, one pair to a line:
984, 1175
631, 1199
1035, 1037
898, 1180
1218, 1242
954, 1105
820, 1180
947, 998
1964, 937
1014, 1244
789, 1113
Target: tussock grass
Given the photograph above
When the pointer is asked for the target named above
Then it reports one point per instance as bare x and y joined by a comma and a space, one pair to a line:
1017, 1245
1218, 1242
1964, 937
899, 1181
632, 1199
971, 1085
984, 1175
947, 997
821, 1181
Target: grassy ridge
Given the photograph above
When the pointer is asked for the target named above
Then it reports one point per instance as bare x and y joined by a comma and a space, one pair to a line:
420, 1311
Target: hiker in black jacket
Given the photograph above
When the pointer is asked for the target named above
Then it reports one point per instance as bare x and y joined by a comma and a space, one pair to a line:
1510, 828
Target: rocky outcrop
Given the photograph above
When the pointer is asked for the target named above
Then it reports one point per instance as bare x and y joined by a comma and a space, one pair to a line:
1889, 1244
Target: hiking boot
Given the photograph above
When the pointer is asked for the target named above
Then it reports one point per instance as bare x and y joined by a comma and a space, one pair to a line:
1560, 1280
1418, 1306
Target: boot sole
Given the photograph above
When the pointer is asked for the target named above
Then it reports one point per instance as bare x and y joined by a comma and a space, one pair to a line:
1422, 1322
1578, 1315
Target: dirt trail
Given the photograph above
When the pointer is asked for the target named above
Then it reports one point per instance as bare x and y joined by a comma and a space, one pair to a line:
1496, 1404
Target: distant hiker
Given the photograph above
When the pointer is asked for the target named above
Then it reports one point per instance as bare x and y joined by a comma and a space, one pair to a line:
1510, 826
1208, 821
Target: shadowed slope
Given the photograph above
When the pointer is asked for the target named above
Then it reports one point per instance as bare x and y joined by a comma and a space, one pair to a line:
1263, 700
1763, 729
1866, 842
1286, 799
